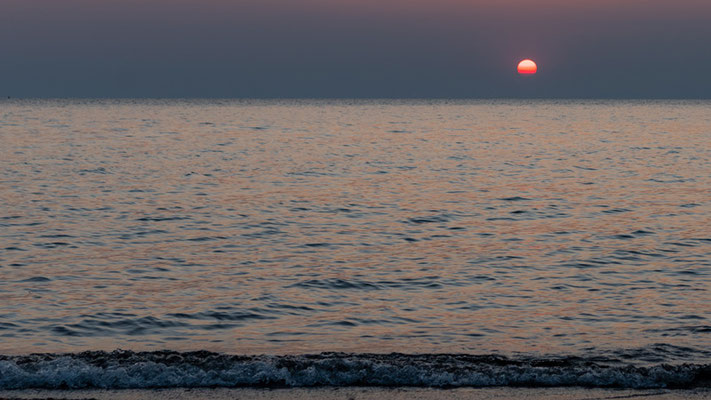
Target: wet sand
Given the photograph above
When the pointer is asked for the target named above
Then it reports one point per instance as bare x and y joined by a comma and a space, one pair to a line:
364, 393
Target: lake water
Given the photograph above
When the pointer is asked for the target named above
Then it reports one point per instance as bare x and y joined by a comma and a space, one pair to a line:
522, 229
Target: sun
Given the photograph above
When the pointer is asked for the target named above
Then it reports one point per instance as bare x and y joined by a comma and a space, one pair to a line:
527, 67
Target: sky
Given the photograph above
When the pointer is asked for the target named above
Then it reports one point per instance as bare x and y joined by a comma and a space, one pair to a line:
355, 48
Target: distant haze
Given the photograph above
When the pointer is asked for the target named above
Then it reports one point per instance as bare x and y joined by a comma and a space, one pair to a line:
354, 48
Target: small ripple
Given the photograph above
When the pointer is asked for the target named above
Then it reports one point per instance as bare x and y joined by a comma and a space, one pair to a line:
515, 198
335, 284
221, 316
7, 325
616, 211
430, 219
51, 245
205, 238
36, 279
111, 326
162, 219
341, 284
99, 170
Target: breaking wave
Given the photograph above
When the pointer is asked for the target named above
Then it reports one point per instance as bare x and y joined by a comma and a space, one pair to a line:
168, 369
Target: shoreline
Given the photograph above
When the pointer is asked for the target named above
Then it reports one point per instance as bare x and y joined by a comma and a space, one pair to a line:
355, 393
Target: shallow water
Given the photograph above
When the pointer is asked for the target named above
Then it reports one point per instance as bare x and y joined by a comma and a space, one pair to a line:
371, 226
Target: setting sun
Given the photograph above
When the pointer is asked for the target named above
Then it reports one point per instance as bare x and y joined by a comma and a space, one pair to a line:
527, 67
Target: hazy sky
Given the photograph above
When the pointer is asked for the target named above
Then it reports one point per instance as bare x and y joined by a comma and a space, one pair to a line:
354, 48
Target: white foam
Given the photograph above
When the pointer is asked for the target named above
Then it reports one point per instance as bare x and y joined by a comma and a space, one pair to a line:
168, 369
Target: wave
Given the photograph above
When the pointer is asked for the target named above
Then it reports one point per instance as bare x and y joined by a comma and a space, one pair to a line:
168, 369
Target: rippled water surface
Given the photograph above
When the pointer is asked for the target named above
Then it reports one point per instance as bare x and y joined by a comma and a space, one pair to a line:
305, 226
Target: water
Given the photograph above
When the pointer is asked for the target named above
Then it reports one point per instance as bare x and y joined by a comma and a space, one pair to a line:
531, 230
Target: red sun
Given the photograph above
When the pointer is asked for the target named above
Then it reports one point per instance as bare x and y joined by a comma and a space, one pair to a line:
527, 67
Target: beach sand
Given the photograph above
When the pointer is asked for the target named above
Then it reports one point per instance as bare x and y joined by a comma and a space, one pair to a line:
364, 393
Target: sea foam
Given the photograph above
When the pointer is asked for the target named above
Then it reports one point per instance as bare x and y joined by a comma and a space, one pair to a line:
167, 369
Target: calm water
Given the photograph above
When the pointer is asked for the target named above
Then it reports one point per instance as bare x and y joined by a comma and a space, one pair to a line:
303, 226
